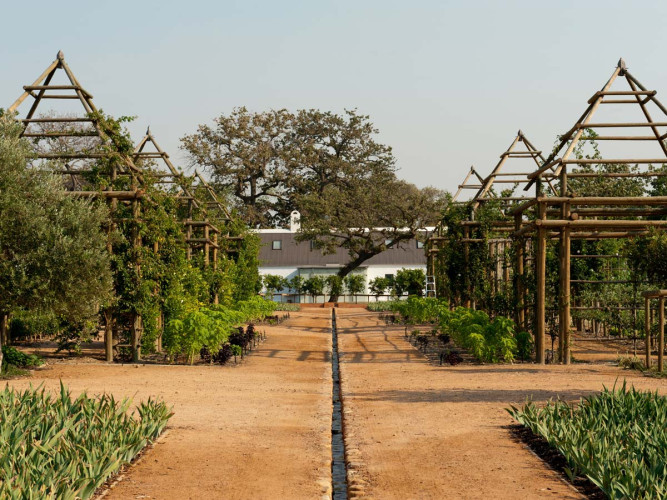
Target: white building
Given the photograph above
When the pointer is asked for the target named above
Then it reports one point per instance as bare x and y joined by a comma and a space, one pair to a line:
280, 254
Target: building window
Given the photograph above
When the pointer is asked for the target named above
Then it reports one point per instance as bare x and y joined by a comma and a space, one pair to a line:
389, 276
420, 244
312, 245
276, 245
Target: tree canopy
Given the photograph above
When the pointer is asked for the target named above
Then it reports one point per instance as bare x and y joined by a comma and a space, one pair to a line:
328, 166
53, 254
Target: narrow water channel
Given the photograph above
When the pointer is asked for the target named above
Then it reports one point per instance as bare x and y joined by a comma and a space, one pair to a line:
338, 468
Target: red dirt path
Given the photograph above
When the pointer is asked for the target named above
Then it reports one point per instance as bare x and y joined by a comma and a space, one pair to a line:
414, 430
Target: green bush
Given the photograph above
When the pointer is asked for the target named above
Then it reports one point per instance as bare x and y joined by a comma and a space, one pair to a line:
489, 341
13, 356
287, 307
61, 447
384, 306
524, 345
420, 310
211, 326
617, 439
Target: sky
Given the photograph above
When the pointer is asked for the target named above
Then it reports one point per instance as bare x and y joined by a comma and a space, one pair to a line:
447, 83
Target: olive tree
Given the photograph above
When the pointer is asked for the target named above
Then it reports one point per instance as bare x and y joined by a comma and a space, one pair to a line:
53, 256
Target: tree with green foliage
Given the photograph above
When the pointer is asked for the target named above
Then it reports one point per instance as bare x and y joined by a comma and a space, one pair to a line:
274, 284
410, 281
355, 284
250, 156
367, 217
334, 285
379, 286
296, 284
53, 254
314, 286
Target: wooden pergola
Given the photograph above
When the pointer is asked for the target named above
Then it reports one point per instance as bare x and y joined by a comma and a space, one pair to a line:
660, 295
569, 215
77, 142
514, 165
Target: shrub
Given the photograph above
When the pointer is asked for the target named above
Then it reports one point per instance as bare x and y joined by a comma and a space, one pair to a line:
212, 326
410, 281
524, 344
13, 356
488, 341
287, 307
384, 306
420, 310
631, 363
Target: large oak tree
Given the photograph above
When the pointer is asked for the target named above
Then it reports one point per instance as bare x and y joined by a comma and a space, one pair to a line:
367, 216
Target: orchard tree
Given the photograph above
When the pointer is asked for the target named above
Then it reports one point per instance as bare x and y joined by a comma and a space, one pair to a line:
296, 283
334, 285
314, 286
53, 256
410, 281
379, 286
355, 284
274, 283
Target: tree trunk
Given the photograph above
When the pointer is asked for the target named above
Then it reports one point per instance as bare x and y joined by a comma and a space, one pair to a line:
3, 332
351, 266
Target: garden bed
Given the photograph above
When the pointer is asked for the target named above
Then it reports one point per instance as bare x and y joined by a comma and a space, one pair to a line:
64, 447
616, 439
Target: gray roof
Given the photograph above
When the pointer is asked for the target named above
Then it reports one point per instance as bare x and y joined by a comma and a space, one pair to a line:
295, 254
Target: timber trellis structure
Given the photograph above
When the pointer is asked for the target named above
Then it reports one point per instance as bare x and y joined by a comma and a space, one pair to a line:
515, 164
569, 215
75, 143
557, 212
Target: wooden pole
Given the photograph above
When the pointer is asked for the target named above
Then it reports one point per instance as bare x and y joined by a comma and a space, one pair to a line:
108, 335
518, 276
564, 320
207, 246
136, 329
647, 329
540, 271
661, 332
4, 330
466, 255
136, 337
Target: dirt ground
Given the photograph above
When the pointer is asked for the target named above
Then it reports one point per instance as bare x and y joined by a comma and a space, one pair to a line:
258, 430
415, 430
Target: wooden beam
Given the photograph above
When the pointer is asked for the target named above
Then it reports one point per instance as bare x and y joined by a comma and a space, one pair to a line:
47, 72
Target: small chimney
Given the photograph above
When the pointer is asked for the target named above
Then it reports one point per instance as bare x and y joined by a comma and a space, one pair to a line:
295, 221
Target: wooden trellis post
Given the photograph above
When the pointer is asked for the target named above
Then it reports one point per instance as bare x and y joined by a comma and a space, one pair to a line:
541, 272
518, 275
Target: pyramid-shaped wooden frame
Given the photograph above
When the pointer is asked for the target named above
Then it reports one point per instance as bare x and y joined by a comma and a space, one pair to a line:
568, 215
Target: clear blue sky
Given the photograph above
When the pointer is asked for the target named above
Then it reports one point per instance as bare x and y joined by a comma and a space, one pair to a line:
448, 83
